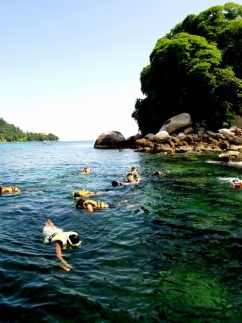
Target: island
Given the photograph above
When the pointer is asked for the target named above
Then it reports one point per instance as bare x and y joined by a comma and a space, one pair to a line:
11, 133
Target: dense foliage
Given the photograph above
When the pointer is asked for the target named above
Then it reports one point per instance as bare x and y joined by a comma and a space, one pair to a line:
196, 68
9, 132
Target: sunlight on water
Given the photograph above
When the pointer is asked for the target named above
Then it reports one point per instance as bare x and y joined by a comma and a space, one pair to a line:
174, 256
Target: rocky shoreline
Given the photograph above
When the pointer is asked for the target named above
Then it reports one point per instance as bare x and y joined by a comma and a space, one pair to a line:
186, 138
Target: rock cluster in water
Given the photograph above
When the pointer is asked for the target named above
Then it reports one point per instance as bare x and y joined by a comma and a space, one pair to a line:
180, 135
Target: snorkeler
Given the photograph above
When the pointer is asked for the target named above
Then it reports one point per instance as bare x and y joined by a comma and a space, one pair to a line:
159, 173
90, 205
61, 239
86, 170
134, 172
83, 193
13, 189
131, 179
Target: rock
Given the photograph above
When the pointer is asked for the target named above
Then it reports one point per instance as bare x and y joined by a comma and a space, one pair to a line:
144, 143
226, 132
213, 141
181, 134
188, 139
236, 141
236, 147
236, 131
135, 137
200, 127
162, 148
174, 139
237, 122
144, 150
229, 156
113, 139
149, 136
224, 144
195, 138
161, 136
201, 131
199, 146
184, 149
188, 130
177, 122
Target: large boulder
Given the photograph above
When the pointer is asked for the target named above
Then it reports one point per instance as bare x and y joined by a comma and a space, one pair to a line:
226, 132
149, 136
161, 136
237, 122
112, 139
135, 137
177, 122
229, 156
144, 143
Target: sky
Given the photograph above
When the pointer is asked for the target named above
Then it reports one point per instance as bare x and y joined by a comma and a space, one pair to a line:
72, 67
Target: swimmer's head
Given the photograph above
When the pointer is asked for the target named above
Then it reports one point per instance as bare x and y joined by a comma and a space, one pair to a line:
74, 240
79, 204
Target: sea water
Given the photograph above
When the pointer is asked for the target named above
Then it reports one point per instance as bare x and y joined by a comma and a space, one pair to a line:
170, 251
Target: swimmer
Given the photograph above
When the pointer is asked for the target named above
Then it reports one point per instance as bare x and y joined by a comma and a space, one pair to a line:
86, 170
61, 239
131, 179
117, 183
90, 205
236, 183
83, 193
13, 189
159, 173
134, 172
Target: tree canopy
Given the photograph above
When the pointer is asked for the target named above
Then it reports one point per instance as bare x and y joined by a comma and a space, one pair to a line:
9, 133
196, 68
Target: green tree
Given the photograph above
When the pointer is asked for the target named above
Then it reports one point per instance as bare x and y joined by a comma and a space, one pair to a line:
9, 132
52, 137
2, 137
196, 68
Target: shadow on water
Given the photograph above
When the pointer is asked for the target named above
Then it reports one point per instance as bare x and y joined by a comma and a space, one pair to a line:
174, 256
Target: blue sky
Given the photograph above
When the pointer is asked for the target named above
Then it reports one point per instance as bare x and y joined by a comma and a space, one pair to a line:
72, 67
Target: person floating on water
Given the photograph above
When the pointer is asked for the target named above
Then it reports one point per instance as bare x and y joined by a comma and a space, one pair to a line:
159, 173
130, 178
86, 170
237, 183
134, 172
13, 189
90, 205
83, 193
61, 239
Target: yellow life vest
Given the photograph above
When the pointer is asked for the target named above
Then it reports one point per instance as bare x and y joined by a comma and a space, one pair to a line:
82, 193
64, 237
95, 204
13, 189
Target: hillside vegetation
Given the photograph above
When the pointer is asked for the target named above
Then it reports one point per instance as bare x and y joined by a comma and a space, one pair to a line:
196, 68
9, 133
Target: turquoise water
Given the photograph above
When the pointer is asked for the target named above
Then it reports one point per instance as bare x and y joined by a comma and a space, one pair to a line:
174, 256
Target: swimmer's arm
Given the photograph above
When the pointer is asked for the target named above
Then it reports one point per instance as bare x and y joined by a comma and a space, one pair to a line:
89, 207
59, 254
